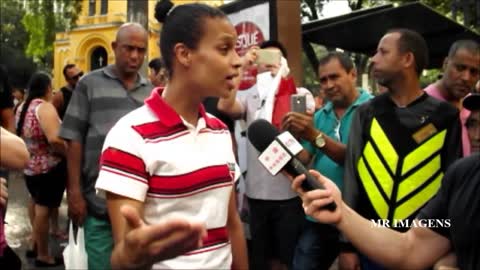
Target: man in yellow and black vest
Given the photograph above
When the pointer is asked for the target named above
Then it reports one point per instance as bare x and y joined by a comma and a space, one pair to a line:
400, 143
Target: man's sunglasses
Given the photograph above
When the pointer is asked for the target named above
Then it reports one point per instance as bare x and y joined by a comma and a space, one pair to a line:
76, 77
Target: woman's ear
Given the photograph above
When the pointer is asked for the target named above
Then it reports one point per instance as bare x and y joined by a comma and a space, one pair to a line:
182, 54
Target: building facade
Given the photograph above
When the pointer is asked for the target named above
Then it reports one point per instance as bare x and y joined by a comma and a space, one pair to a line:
88, 45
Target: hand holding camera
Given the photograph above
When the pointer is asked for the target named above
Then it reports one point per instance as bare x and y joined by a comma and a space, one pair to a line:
298, 103
268, 60
299, 121
268, 57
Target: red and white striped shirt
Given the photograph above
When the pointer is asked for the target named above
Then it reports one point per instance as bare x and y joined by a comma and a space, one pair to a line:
177, 170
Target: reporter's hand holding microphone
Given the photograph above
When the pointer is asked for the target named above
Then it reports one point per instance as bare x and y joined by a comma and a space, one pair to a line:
315, 202
300, 123
278, 153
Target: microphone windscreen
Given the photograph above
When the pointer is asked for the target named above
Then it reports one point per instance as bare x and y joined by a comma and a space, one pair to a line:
261, 134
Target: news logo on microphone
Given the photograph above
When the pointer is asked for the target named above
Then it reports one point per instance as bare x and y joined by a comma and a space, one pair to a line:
279, 152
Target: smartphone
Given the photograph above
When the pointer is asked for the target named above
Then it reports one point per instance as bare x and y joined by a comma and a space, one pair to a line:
268, 57
298, 103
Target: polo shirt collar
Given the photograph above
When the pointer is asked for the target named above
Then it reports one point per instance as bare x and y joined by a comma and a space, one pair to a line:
328, 107
363, 96
108, 70
168, 115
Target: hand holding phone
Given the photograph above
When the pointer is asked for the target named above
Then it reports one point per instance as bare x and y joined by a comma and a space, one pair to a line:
298, 103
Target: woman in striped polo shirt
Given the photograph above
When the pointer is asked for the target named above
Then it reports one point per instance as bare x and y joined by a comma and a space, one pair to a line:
168, 168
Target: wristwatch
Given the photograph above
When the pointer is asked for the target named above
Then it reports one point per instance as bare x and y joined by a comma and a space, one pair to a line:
320, 140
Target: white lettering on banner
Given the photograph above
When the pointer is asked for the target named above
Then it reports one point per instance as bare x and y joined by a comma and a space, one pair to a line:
249, 34
290, 142
252, 25
274, 158
245, 40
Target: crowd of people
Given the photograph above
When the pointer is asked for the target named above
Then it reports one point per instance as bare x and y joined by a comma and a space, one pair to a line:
150, 169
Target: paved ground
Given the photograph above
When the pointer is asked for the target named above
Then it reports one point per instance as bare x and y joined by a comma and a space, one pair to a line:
18, 227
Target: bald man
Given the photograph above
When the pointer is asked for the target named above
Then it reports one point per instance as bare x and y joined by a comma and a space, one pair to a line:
101, 98
461, 71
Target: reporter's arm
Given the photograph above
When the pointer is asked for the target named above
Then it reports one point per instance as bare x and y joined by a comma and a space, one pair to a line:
236, 235
448, 261
50, 124
418, 248
13, 151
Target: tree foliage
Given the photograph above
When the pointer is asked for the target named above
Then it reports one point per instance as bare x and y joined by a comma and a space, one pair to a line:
312, 10
43, 18
12, 33
310, 77
13, 41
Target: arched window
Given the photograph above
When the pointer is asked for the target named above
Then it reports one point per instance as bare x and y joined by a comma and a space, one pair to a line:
91, 7
99, 58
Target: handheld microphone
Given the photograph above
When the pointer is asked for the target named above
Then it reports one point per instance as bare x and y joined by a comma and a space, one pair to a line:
262, 135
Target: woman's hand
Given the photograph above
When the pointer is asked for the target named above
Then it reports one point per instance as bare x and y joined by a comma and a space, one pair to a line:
145, 244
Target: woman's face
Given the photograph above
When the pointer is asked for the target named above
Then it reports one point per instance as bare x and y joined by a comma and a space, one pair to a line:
215, 63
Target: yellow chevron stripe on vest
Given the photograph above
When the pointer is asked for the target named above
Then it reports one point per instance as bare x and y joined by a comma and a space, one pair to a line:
413, 204
380, 205
384, 177
423, 151
390, 178
383, 143
419, 177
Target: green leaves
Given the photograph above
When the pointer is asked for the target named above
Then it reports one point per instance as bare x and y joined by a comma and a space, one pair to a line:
35, 26
42, 20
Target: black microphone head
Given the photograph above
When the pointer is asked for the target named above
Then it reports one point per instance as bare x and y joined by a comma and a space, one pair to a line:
261, 134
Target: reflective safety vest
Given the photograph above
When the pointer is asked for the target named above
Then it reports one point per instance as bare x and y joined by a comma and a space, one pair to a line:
398, 186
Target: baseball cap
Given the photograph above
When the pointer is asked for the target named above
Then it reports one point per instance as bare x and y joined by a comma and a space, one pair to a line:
472, 102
